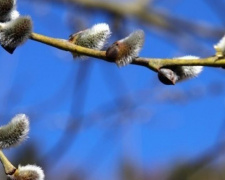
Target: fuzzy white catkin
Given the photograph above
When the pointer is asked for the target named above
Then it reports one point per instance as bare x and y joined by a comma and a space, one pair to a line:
221, 44
28, 172
134, 42
122, 52
172, 75
185, 72
15, 132
15, 32
93, 38
97, 36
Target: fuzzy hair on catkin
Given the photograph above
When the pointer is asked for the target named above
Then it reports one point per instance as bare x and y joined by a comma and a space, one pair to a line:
221, 45
14, 14
185, 72
28, 172
171, 75
93, 38
15, 132
134, 42
15, 32
125, 50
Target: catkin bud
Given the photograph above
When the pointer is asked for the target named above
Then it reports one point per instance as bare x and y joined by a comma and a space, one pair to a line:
6, 7
93, 38
14, 132
28, 172
125, 50
220, 47
172, 75
15, 33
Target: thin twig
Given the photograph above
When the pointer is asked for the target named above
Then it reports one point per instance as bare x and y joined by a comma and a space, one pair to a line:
9, 168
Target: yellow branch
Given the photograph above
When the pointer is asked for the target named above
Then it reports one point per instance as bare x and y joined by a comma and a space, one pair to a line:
152, 63
67, 46
9, 168
156, 63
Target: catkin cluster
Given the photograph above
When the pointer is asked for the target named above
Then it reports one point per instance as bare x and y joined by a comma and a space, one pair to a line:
124, 51
14, 29
13, 134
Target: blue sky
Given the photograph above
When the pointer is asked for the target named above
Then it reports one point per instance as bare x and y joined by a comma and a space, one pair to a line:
155, 126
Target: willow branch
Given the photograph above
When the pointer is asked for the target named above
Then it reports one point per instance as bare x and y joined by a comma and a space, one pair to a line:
67, 46
155, 63
152, 63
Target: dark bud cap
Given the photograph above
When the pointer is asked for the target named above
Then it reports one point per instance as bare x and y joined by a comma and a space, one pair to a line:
112, 53
9, 49
167, 76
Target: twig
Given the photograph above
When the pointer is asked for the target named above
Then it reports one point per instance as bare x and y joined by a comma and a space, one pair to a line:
67, 46
9, 168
